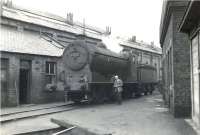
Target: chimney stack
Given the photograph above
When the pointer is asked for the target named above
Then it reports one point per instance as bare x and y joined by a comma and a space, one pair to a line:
70, 18
108, 30
152, 43
7, 3
134, 38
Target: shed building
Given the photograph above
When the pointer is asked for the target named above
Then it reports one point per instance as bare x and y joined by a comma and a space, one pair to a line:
31, 47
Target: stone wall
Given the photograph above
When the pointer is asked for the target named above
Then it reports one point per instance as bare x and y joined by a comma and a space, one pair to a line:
38, 94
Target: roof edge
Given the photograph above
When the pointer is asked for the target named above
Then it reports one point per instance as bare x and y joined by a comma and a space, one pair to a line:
150, 50
184, 24
168, 7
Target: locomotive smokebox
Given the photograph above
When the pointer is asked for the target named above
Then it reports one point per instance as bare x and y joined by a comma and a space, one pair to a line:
76, 55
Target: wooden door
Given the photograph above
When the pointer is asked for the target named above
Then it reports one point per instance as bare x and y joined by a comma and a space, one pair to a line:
4, 81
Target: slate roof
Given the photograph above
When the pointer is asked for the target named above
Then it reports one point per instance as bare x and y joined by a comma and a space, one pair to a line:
27, 43
141, 46
49, 20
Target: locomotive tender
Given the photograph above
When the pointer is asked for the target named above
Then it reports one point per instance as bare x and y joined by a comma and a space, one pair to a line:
89, 69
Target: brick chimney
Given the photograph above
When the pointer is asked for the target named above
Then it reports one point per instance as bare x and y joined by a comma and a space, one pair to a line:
108, 30
70, 18
7, 3
133, 38
152, 43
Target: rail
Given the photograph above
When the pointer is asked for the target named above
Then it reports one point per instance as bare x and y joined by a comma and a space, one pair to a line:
65, 130
36, 113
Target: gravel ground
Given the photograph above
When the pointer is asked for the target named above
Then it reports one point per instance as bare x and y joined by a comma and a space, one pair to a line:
143, 116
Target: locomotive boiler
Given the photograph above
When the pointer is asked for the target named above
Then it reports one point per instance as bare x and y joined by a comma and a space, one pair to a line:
89, 69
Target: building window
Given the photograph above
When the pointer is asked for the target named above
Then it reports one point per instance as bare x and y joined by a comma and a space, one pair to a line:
50, 72
50, 68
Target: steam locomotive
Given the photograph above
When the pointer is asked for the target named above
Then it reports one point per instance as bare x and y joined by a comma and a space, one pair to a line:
89, 70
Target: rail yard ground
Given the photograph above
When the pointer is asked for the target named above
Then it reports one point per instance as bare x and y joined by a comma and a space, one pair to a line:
146, 115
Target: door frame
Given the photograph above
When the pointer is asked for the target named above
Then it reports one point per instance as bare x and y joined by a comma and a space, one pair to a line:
28, 67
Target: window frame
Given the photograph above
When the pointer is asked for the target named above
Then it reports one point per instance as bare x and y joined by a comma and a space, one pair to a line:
49, 75
49, 68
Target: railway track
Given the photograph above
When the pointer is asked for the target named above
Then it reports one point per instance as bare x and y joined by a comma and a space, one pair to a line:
49, 131
4, 118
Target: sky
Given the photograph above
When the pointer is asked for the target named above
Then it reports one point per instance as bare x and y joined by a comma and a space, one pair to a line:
125, 17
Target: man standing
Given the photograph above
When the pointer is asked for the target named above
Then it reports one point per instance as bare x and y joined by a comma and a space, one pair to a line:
118, 89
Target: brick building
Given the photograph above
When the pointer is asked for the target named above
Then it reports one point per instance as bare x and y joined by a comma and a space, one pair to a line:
191, 26
146, 54
31, 47
176, 59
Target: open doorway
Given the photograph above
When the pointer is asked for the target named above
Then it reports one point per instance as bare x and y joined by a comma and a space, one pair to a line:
24, 82
4, 82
